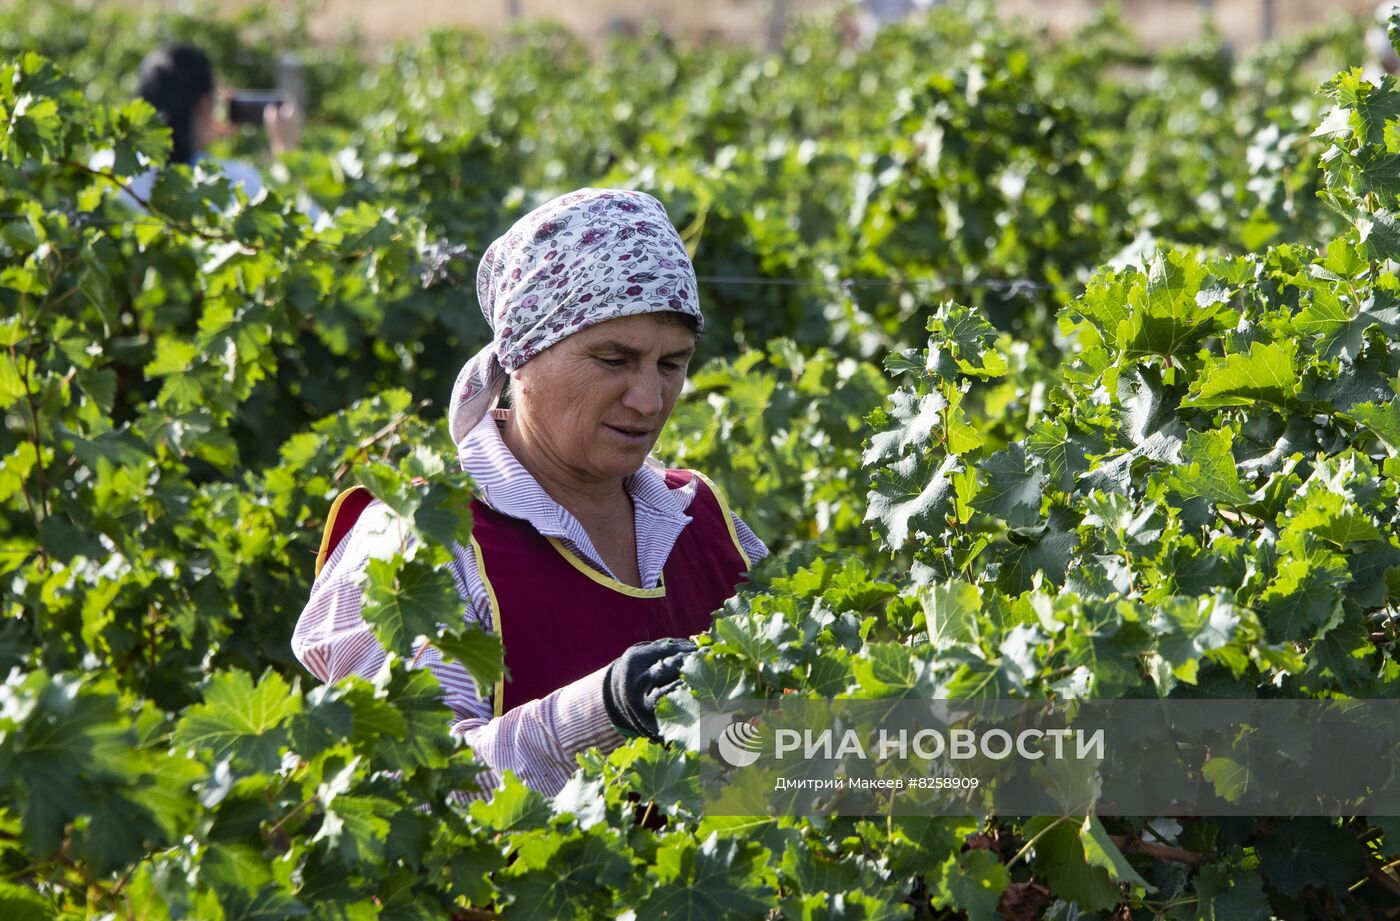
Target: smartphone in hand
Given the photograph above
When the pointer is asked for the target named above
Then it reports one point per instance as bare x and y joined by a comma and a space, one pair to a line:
245, 107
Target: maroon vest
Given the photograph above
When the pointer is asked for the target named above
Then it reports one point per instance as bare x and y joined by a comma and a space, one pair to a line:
560, 619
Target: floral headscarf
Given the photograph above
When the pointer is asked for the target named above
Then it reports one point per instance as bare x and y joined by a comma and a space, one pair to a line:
580, 259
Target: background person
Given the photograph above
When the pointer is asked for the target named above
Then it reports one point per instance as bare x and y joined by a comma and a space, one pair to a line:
593, 562
178, 81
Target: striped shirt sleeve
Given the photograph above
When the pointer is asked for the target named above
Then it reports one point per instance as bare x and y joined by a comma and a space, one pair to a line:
753, 548
538, 741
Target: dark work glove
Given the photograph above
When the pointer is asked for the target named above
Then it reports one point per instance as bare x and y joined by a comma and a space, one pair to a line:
640, 677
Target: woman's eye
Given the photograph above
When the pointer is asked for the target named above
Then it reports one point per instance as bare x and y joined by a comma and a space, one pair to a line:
671, 367
613, 362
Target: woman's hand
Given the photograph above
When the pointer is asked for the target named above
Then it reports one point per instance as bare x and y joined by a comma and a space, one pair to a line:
283, 126
640, 677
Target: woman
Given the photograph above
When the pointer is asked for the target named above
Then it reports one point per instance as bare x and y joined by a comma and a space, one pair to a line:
594, 563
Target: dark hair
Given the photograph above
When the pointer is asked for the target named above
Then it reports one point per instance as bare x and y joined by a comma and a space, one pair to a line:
174, 80
675, 318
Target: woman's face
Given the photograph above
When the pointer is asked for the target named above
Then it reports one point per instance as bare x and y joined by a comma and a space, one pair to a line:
595, 403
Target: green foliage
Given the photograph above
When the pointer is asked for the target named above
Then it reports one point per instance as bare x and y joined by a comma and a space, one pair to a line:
1181, 482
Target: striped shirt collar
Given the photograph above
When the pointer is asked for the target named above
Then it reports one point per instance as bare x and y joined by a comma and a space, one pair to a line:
504, 484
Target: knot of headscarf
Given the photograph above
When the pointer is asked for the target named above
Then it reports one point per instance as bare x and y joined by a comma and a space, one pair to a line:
577, 260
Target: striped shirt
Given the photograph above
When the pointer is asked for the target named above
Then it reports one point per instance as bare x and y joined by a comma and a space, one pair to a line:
537, 740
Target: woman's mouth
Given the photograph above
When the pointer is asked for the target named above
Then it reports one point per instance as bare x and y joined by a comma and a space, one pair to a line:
635, 436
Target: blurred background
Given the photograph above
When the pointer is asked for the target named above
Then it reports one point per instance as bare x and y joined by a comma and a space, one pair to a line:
836, 169
998, 150
1158, 22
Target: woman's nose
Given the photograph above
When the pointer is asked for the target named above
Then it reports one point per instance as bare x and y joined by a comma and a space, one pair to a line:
644, 393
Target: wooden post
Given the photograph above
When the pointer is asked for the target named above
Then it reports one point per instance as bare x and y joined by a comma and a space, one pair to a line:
291, 80
1267, 14
777, 25
513, 10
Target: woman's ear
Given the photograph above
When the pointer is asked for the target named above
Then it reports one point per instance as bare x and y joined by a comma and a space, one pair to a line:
516, 383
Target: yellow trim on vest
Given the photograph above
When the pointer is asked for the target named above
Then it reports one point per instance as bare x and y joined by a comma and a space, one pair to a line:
622, 588
324, 553
728, 518
605, 581
500, 695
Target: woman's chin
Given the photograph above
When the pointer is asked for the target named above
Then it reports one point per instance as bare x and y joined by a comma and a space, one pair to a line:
622, 462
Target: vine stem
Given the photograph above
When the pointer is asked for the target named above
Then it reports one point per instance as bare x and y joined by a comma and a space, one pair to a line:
1160, 851
23, 871
143, 202
1124, 844
24, 490
275, 829
186, 227
1158, 907
1377, 875
32, 423
1025, 848
389, 428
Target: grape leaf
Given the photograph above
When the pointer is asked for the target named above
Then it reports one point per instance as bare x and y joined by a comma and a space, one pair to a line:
514, 806
1012, 492
1046, 548
911, 495
480, 652
968, 335
962, 436
1340, 334
1306, 593
1383, 420
1372, 104
1378, 230
406, 599
1225, 894
566, 876
972, 881
1266, 374
1100, 851
1188, 628
715, 878
1061, 861
355, 828
582, 798
20, 903
1210, 471
1330, 515
1169, 320
914, 420
952, 611
1149, 416
1308, 852
1065, 455
239, 720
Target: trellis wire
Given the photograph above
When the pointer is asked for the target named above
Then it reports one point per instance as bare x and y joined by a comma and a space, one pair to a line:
1015, 287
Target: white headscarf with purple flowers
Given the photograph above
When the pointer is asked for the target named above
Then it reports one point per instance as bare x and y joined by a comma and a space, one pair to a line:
580, 259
